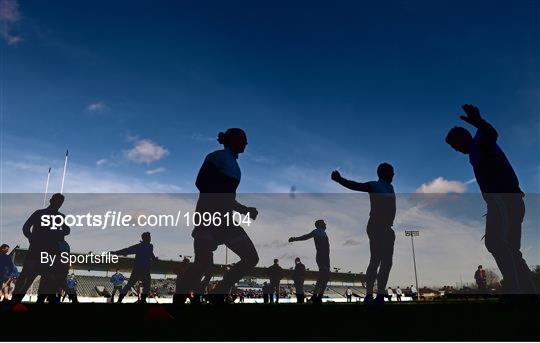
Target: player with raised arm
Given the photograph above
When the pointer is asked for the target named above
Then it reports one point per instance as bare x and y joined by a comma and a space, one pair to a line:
322, 257
144, 256
379, 228
505, 206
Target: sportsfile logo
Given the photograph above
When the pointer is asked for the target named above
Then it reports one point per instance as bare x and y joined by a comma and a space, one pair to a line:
118, 219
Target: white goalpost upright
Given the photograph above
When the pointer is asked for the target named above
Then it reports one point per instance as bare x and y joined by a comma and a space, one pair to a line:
46, 187
64, 174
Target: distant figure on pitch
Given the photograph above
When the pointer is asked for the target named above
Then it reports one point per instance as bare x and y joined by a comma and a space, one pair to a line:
265, 292
144, 256
275, 274
217, 182
8, 272
117, 280
505, 206
44, 237
299, 275
480, 278
414, 293
322, 247
71, 289
348, 294
390, 293
399, 293
379, 228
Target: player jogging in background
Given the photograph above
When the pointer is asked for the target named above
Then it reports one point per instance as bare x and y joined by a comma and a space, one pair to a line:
379, 228
322, 247
144, 256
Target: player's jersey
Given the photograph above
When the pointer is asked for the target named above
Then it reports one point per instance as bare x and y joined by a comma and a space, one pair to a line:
322, 246
383, 204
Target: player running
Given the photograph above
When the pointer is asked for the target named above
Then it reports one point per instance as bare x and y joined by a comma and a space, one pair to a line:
217, 182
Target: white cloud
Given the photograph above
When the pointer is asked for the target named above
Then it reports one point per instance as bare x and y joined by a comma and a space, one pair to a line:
352, 242
29, 177
9, 15
155, 171
96, 107
101, 162
441, 185
146, 151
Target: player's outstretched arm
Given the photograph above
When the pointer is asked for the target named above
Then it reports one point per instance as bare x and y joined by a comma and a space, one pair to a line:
127, 251
301, 238
352, 185
488, 134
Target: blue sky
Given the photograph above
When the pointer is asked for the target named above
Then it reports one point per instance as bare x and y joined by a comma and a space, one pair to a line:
316, 86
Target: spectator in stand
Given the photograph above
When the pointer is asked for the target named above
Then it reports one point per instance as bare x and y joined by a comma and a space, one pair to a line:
348, 294
117, 281
275, 273
399, 293
298, 279
480, 277
390, 293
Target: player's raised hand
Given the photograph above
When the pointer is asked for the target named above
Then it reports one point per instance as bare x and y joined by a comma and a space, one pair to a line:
291, 239
472, 114
253, 213
336, 176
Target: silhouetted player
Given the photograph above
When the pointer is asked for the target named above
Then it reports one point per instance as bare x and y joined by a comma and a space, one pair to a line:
275, 274
144, 256
500, 188
265, 292
379, 227
299, 275
322, 257
217, 182
43, 237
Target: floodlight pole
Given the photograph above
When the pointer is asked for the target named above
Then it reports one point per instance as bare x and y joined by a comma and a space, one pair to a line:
412, 234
